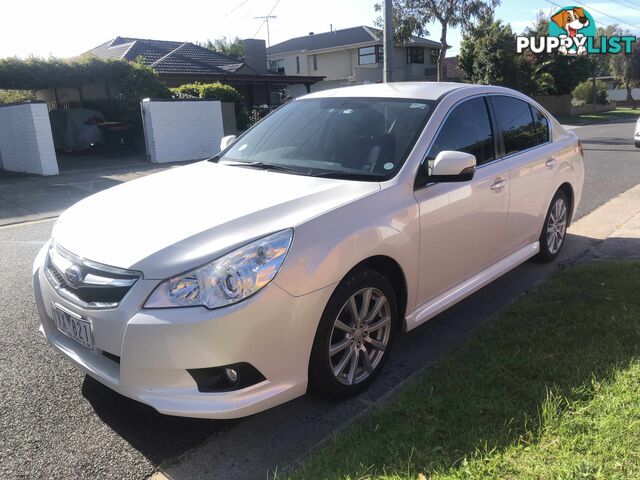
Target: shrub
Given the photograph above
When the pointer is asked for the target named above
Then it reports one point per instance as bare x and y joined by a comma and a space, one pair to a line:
221, 92
583, 93
15, 96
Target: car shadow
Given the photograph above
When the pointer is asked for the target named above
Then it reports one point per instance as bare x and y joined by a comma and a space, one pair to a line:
158, 437
279, 439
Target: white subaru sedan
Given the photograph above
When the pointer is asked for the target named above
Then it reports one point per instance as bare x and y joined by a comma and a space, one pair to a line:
293, 258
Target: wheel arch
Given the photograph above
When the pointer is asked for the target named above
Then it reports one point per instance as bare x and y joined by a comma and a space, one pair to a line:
391, 269
568, 191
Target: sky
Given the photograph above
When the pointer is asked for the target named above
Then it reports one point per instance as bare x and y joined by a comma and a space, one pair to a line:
64, 29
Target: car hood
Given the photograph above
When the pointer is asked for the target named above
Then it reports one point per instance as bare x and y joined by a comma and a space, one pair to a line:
172, 221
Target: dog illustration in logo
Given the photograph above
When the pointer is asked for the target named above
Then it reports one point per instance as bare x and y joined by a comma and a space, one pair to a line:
571, 20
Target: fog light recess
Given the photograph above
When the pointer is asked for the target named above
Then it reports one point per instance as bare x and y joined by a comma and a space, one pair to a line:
226, 378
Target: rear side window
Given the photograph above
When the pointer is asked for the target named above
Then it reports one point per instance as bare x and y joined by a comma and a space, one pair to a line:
542, 125
466, 129
516, 122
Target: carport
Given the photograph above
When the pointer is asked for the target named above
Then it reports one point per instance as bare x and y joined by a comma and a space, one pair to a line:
86, 114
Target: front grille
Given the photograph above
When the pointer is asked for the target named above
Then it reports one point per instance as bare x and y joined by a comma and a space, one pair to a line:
94, 285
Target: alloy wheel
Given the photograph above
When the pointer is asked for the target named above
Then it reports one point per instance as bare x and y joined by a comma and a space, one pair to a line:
557, 226
360, 336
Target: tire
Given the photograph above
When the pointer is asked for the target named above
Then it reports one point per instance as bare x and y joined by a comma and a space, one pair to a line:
554, 230
334, 375
637, 144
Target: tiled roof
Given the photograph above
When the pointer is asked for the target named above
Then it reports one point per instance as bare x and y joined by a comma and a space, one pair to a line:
339, 38
168, 57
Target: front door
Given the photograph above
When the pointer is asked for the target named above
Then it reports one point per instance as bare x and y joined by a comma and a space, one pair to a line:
462, 224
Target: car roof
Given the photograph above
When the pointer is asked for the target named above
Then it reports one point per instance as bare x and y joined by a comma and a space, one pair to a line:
417, 90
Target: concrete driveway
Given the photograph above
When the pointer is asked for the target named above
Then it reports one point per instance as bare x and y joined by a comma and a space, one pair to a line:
55, 422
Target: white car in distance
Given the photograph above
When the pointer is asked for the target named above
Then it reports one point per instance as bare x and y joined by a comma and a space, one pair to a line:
293, 258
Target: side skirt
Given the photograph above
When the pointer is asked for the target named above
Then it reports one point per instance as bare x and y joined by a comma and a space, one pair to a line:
433, 307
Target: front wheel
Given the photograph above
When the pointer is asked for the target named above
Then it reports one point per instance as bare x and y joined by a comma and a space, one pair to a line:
554, 230
637, 144
354, 336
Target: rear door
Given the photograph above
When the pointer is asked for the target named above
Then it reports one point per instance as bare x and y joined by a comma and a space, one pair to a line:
529, 154
462, 224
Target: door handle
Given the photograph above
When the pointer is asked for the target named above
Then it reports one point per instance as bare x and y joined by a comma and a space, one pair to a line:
498, 184
550, 162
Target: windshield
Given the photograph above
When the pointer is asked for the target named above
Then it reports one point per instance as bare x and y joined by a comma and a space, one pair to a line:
360, 138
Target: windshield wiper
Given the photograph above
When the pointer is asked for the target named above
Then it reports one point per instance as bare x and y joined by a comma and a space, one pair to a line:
346, 175
262, 166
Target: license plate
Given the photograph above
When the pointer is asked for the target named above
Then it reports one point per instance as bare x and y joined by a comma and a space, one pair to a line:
73, 326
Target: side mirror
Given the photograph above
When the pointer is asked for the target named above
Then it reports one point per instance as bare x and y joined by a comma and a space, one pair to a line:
226, 141
450, 166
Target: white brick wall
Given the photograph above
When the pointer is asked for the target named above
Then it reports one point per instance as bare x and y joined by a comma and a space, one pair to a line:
178, 131
26, 143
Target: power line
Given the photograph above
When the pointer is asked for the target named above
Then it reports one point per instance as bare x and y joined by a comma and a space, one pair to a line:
601, 13
633, 5
235, 8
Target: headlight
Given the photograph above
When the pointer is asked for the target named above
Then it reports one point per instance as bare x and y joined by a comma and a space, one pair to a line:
227, 280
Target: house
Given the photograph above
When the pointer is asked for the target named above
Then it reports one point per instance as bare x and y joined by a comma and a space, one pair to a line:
179, 63
351, 56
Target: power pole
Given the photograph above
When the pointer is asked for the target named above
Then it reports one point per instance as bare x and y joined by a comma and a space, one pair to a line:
388, 41
266, 19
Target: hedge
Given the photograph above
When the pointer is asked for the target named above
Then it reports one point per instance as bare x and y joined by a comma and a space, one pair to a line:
583, 93
132, 81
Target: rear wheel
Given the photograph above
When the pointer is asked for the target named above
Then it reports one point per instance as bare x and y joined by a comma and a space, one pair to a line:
554, 230
637, 144
354, 336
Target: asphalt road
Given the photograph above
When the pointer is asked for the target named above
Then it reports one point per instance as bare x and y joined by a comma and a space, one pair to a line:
57, 423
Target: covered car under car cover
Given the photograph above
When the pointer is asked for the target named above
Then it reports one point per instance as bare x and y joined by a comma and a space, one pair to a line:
76, 128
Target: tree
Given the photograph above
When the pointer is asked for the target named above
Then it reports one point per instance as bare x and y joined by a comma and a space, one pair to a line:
413, 15
625, 67
488, 56
562, 72
233, 48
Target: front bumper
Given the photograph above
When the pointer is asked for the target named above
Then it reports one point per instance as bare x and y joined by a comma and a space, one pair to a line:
273, 331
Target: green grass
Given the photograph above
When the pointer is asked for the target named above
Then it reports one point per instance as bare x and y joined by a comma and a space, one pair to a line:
589, 118
548, 389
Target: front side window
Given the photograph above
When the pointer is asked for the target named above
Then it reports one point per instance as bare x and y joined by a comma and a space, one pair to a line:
370, 55
359, 138
466, 129
516, 122
415, 55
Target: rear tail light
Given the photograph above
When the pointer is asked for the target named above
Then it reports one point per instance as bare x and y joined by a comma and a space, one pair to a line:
580, 149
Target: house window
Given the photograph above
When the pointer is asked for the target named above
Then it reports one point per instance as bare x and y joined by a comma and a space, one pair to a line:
370, 55
415, 55
276, 66
297, 64
315, 62
433, 54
